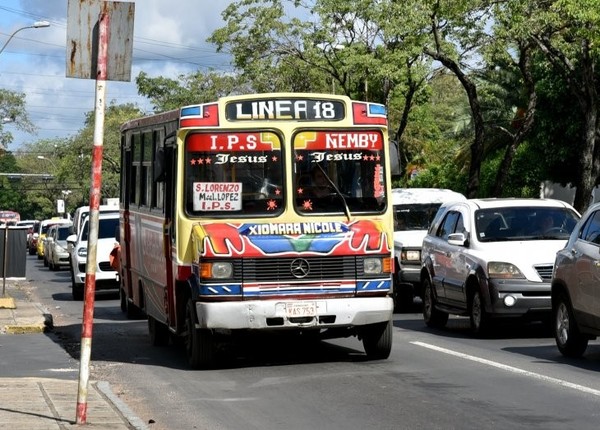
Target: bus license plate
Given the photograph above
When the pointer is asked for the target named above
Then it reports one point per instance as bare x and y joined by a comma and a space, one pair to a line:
301, 309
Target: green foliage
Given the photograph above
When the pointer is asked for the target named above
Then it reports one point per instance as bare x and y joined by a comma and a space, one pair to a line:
168, 94
61, 168
12, 110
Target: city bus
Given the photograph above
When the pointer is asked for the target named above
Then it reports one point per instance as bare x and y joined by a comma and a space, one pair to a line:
225, 232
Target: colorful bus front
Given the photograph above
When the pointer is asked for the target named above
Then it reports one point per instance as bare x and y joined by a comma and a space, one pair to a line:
283, 219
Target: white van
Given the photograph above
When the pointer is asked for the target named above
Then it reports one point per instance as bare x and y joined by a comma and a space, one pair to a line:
82, 212
106, 277
414, 209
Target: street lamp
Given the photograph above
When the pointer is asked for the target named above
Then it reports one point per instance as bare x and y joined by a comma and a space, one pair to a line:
41, 157
37, 24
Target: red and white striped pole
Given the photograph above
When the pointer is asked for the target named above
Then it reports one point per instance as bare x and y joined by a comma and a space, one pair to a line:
96, 177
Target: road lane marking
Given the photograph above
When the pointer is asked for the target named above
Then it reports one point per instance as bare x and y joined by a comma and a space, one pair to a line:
512, 369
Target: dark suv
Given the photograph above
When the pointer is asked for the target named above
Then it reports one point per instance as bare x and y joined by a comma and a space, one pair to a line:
576, 287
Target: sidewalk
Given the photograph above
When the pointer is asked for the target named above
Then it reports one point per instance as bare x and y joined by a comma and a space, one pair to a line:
47, 403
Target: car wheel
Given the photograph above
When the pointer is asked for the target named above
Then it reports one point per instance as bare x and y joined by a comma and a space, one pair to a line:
159, 332
432, 316
570, 342
200, 345
377, 340
77, 291
477, 314
45, 261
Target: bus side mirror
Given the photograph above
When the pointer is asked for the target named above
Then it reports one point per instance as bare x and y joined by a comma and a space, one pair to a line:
159, 165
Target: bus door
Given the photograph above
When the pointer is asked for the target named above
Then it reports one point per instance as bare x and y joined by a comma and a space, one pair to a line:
167, 156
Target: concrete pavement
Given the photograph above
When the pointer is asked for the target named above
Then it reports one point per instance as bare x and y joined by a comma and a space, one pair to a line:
34, 403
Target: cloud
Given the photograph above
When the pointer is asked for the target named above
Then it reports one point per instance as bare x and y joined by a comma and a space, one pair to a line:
169, 40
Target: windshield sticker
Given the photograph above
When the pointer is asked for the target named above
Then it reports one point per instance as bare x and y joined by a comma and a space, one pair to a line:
217, 196
265, 141
350, 140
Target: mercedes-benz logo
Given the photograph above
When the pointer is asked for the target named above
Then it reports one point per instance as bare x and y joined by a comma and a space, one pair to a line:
299, 268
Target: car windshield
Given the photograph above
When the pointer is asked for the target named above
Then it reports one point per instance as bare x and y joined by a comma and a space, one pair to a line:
106, 228
524, 223
63, 233
414, 216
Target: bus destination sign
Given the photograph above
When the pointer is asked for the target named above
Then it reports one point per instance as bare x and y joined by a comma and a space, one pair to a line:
285, 110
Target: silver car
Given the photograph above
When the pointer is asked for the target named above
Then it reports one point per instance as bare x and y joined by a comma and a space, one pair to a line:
493, 258
576, 287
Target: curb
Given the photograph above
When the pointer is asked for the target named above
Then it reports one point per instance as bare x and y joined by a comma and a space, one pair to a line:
7, 303
137, 423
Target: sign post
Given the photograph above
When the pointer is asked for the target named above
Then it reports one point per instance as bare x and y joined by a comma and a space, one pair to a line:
111, 39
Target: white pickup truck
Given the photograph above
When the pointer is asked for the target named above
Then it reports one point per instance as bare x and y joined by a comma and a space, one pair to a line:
414, 209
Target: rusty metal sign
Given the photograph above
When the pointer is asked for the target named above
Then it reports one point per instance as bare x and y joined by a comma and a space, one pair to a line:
83, 42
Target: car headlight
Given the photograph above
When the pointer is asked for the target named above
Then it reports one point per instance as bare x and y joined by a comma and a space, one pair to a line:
216, 270
410, 255
372, 266
82, 252
498, 269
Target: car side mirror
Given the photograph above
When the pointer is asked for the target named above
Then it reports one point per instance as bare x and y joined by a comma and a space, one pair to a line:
457, 239
72, 239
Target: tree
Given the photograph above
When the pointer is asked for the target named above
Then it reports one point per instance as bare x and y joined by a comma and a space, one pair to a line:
168, 94
79, 151
12, 109
568, 34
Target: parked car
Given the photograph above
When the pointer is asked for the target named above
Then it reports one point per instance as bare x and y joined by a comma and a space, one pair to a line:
56, 255
32, 238
414, 209
493, 258
30, 224
106, 277
45, 242
576, 287
42, 232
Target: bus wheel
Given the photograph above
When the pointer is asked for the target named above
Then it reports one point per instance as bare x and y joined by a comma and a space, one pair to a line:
159, 332
123, 299
200, 345
377, 340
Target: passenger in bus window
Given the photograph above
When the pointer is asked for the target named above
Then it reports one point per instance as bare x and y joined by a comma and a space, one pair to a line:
320, 186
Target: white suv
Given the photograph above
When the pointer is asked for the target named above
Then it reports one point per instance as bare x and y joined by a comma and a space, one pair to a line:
106, 277
414, 209
492, 258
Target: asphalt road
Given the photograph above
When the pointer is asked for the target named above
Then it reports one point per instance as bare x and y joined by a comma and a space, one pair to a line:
443, 379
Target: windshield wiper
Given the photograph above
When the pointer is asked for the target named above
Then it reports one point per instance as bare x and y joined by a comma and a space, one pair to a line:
337, 192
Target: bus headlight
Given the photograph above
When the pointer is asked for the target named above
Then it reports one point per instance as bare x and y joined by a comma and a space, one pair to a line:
372, 266
216, 270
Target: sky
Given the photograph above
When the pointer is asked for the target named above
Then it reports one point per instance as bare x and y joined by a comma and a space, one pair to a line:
169, 40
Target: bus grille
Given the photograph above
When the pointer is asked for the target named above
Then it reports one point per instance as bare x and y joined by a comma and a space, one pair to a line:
319, 268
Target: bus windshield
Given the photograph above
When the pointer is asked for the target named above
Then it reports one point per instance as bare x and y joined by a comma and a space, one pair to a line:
335, 170
234, 174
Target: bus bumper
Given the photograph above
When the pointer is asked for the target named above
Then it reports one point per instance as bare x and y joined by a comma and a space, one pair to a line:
280, 314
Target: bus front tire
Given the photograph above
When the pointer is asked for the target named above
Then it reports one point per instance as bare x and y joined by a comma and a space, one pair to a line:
377, 340
200, 345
